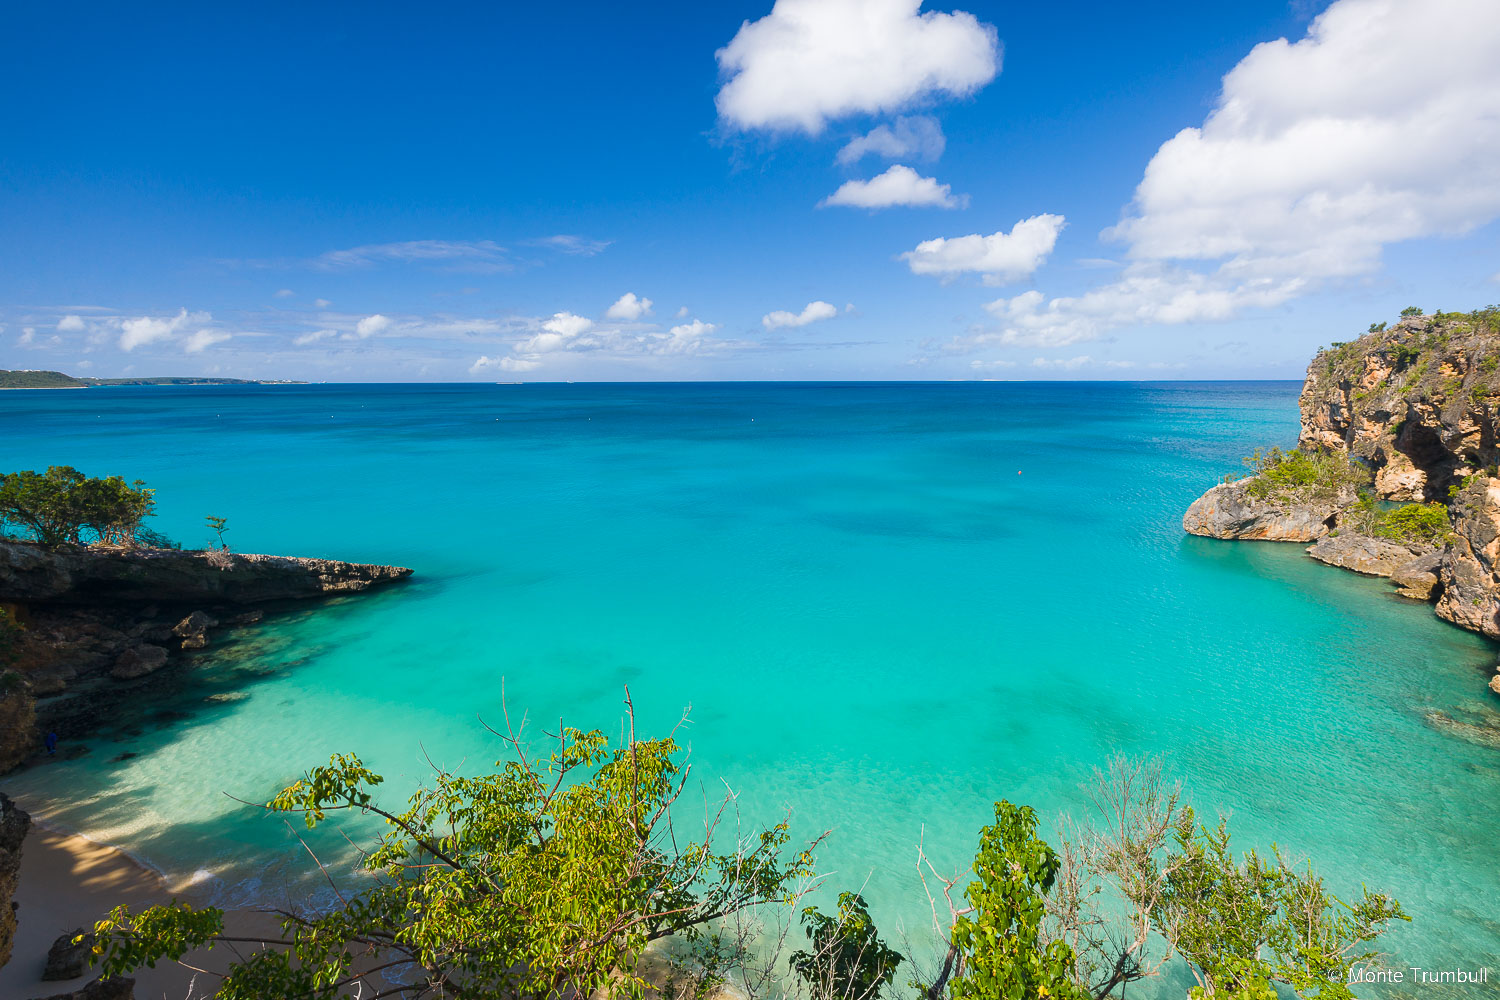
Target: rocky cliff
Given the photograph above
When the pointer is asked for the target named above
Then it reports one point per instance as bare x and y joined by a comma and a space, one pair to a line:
95, 621
1416, 409
13, 827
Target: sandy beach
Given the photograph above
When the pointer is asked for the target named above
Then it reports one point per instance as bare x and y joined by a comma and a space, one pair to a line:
68, 882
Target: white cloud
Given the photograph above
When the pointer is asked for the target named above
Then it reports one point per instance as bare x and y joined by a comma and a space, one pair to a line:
559, 333
686, 338
504, 364
900, 185
371, 325
578, 246
484, 255
203, 339
150, 329
28, 334
809, 61
284, 293
321, 303
313, 337
628, 307
811, 313
682, 311
70, 324
918, 137
999, 258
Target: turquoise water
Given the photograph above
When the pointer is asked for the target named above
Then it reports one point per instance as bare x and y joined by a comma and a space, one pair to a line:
888, 605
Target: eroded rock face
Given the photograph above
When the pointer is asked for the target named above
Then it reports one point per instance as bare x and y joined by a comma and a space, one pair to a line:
138, 661
1230, 511
1418, 579
1470, 568
68, 958
14, 825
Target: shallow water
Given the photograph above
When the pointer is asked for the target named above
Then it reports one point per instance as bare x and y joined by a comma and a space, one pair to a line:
888, 605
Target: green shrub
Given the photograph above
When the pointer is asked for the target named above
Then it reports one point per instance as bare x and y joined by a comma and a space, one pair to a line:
1413, 522
1295, 474
1412, 311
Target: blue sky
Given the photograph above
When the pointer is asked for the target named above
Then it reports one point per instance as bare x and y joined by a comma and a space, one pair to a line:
492, 192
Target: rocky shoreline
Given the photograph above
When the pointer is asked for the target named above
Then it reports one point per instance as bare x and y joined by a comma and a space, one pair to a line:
97, 621
1417, 407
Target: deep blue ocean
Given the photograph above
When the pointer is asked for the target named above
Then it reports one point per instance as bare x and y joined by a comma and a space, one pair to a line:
888, 605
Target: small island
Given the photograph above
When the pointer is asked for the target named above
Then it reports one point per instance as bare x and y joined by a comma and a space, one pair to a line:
1396, 472
25, 379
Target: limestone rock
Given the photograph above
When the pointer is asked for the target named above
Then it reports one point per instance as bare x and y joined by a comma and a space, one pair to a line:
193, 630
1470, 569
1418, 579
67, 960
88, 576
138, 662
1361, 553
1229, 510
113, 988
14, 825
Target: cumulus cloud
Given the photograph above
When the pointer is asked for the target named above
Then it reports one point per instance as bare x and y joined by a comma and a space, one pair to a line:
313, 337
371, 325
150, 329
918, 137
485, 362
811, 313
685, 338
999, 258
71, 324
900, 185
629, 308
558, 334
203, 339
28, 334
1318, 154
809, 61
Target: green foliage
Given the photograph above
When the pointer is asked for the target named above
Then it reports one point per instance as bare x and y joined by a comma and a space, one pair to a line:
1377, 327
1004, 951
1299, 475
1244, 924
64, 507
218, 525
38, 380
847, 960
1411, 311
1413, 522
543, 879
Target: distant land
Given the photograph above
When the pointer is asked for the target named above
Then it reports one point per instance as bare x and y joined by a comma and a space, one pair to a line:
57, 380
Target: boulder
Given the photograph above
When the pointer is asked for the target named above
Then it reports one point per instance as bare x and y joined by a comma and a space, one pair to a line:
1418, 579
193, 630
68, 958
1230, 510
113, 988
1361, 553
138, 662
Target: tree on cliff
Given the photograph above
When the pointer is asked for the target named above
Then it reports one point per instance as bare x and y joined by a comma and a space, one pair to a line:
64, 507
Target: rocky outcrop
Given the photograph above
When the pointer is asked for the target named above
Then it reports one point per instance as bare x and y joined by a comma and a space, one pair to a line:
1362, 554
14, 825
30, 574
1418, 405
101, 622
1470, 569
1230, 510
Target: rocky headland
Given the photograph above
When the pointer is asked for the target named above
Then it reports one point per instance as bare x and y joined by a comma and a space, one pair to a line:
1395, 473
89, 622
